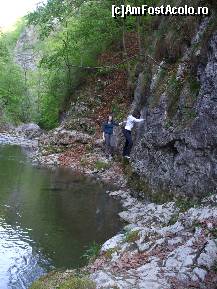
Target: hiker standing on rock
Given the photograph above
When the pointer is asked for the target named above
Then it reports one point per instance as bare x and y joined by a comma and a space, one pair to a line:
108, 127
129, 124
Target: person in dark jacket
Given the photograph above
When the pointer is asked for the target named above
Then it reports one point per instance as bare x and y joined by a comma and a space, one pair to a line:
108, 127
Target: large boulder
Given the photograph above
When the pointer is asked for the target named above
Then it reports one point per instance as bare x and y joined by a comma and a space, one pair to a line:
30, 130
63, 137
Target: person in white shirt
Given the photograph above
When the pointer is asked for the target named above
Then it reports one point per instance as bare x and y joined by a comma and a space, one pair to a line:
131, 120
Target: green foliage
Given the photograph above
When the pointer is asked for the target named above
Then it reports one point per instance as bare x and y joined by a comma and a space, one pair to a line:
12, 92
173, 219
73, 34
131, 236
84, 162
140, 184
184, 204
51, 98
174, 90
13, 100
11, 37
214, 267
109, 252
63, 280
118, 111
189, 113
213, 231
194, 85
168, 124
100, 165
92, 252
78, 283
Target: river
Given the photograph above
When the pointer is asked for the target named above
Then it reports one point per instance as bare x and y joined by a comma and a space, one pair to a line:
48, 218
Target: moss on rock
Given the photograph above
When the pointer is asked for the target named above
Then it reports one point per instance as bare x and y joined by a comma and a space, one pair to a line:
66, 280
141, 188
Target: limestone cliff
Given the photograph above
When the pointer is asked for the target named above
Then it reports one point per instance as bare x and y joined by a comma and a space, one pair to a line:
176, 150
25, 50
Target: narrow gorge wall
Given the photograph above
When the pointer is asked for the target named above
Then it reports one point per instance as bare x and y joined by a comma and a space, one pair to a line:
176, 149
27, 56
25, 50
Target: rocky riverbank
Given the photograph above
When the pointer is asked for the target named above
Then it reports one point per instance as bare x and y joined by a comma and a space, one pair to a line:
13, 138
76, 150
80, 152
162, 245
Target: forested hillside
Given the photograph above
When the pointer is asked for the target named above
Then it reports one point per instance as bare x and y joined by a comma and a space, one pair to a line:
71, 37
12, 85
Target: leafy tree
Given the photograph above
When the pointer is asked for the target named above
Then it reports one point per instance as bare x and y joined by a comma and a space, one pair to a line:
11, 84
73, 34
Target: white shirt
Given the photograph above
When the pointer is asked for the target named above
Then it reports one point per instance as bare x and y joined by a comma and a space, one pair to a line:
131, 120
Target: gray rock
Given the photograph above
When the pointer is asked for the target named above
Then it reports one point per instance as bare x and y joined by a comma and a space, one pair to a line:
30, 130
188, 253
25, 54
112, 243
199, 274
209, 257
182, 160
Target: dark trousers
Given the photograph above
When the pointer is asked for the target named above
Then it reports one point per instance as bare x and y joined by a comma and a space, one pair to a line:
128, 143
108, 144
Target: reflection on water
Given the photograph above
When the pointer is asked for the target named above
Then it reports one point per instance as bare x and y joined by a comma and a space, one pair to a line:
48, 217
17, 258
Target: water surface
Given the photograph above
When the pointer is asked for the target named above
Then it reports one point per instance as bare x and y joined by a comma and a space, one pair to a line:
48, 218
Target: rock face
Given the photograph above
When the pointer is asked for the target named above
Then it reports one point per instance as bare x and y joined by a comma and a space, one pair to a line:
25, 54
176, 150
